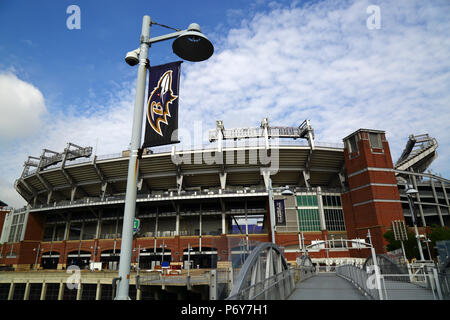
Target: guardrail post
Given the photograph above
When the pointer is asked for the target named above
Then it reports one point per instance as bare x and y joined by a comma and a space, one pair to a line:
213, 284
438, 284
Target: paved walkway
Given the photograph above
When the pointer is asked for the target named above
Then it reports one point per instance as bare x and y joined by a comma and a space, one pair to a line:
326, 286
396, 290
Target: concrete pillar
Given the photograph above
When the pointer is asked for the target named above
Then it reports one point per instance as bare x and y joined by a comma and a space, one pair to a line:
73, 193
177, 224
224, 225
98, 293
444, 191
138, 294
49, 196
26, 296
99, 225
11, 291
200, 226
80, 290
246, 223
61, 290
321, 211
44, 290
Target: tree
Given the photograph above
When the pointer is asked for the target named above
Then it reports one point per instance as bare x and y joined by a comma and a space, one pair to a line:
438, 234
411, 249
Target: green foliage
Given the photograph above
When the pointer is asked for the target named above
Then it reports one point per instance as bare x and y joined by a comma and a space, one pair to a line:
411, 249
437, 234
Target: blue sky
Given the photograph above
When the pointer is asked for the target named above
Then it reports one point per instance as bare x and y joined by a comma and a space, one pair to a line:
288, 60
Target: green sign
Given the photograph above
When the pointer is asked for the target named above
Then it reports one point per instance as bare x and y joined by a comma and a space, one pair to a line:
136, 225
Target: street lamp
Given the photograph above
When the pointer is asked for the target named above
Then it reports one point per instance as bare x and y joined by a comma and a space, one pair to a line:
410, 192
38, 251
287, 192
189, 45
163, 246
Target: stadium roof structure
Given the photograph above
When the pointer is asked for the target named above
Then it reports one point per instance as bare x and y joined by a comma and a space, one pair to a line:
76, 173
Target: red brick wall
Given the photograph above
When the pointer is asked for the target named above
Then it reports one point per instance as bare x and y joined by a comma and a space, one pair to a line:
374, 215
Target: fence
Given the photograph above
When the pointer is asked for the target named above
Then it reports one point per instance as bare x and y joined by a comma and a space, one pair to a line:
359, 278
276, 287
420, 283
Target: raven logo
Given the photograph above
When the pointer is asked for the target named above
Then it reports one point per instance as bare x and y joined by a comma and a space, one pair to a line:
158, 103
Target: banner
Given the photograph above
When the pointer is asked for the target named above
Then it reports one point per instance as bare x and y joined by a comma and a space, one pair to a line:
280, 213
162, 107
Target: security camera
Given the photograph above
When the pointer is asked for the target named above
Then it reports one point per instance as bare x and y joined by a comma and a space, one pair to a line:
132, 57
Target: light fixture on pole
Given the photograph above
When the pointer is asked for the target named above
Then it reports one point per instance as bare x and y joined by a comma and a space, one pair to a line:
189, 45
287, 192
410, 193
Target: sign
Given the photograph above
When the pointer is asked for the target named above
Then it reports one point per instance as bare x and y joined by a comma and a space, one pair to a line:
443, 248
280, 212
165, 264
399, 229
161, 125
136, 225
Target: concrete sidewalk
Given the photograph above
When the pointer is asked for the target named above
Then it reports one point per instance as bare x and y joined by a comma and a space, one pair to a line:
326, 286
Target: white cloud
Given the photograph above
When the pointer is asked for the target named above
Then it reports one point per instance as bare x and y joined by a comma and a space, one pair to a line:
21, 107
321, 62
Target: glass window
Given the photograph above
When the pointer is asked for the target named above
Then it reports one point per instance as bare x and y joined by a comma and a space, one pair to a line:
90, 230
352, 144
75, 231
48, 233
60, 232
334, 219
375, 140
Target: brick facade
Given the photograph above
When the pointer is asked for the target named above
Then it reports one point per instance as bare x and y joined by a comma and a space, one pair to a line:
373, 200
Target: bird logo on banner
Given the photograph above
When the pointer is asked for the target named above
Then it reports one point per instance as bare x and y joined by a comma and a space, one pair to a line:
158, 103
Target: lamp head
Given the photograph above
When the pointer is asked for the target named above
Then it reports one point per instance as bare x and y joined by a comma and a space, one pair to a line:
410, 190
132, 57
287, 192
193, 45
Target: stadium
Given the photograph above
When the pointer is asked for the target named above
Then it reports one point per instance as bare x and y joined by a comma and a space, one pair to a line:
248, 185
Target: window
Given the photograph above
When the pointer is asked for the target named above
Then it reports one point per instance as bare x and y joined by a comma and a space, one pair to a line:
375, 140
15, 231
353, 146
308, 213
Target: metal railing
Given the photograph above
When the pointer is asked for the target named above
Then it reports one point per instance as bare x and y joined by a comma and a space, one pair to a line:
276, 287
425, 283
359, 278
265, 275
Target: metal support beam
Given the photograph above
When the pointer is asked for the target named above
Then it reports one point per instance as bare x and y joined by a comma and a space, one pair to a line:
424, 223
223, 180
179, 182
436, 200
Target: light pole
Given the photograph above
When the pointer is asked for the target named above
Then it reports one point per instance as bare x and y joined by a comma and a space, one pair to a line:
427, 242
38, 251
95, 247
410, 192
189, 267
191, 45
163, 245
